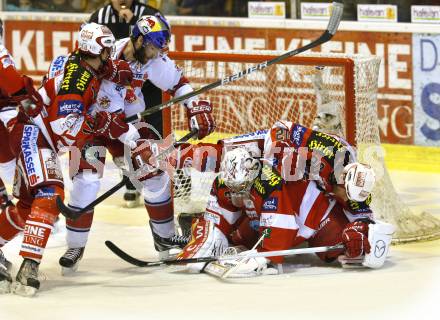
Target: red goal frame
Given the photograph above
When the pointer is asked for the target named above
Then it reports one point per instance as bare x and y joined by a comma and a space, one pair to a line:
346, 63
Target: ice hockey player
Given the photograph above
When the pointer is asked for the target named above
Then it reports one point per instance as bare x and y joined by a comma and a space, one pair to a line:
15, 91
247, 198
9, 101
298, 152
65, 123
144, 51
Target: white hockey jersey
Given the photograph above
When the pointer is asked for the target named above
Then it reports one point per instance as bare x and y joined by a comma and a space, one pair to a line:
161, 71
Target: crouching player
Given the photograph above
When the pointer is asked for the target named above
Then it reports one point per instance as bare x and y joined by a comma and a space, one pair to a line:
248, 198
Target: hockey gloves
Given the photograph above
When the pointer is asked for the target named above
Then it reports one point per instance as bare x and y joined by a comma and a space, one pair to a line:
118, 71
110, 125
355, 239
31, 102
200, 117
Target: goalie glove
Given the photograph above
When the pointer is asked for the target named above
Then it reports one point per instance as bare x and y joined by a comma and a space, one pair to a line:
355, 239
199, 115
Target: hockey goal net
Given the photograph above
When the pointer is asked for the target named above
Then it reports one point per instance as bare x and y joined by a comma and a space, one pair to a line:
289, 91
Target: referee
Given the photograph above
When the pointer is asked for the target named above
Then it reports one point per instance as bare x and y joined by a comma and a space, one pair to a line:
119, 16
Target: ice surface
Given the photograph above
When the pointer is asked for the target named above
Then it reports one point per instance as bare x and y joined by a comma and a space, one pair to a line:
105, 287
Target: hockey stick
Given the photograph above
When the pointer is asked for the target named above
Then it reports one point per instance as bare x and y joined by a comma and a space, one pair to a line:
244, 258
332, 27
75, 214
141, 263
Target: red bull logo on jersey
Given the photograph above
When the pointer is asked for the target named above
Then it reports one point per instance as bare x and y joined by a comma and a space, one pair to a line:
30, 154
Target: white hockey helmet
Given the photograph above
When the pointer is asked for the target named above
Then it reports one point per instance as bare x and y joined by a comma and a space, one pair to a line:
239, 170
359, 181
94, 38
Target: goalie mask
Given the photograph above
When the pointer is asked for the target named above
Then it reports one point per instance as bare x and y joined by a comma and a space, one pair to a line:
239, 170
359, 181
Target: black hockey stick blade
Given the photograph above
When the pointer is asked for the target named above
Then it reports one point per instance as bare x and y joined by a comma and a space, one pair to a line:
332, 27
142, 263
75, 214
130, 259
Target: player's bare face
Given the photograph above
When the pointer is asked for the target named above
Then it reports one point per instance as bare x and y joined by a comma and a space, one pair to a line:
151, 51
146, 52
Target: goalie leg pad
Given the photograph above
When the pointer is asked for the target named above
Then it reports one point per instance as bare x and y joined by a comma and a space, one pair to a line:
379, 236
206, 240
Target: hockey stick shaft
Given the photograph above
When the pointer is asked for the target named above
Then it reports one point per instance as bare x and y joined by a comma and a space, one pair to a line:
75, 214
243, 259
332, 27
141, 263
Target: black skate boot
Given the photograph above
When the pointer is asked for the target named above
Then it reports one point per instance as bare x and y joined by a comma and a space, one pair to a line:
27, 283
167, 246
5, 276
131, 196
70, 260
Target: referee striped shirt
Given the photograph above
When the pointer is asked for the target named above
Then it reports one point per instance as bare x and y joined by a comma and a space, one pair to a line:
108, 16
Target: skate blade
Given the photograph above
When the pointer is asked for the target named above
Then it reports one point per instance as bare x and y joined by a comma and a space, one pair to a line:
5, 287
132, 204
22, 290
69, 271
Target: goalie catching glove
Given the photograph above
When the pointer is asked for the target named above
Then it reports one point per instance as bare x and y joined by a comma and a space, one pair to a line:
200, 117
355, 239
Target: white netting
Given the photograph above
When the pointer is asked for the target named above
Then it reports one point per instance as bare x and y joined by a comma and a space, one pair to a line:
287, 91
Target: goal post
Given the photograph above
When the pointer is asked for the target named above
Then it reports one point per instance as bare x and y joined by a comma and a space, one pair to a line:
288, 91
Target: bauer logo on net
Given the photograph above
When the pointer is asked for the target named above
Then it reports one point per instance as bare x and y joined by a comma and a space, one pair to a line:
271, 204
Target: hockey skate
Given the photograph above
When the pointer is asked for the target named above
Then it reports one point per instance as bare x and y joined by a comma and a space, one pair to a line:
5, 276
169, 247
70, 260
27, 283
131, 196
